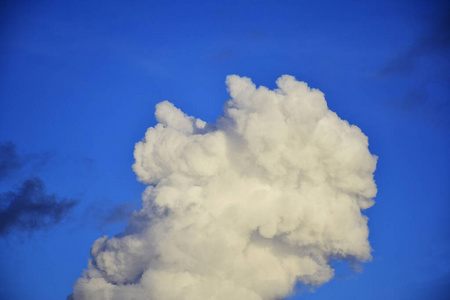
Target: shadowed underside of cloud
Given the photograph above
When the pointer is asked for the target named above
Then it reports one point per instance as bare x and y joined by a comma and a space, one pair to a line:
30, 208
244, 208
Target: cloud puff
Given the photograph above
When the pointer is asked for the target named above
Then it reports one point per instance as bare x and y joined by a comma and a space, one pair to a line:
31, 208
243, 208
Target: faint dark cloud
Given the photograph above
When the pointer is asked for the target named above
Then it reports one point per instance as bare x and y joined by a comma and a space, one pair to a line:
417, 103
434, 41
433, 267
9, 159
11, 162
438, 289
221, 56
118, 213
27, 208
259, 34
102, 213
30, 208
427, 63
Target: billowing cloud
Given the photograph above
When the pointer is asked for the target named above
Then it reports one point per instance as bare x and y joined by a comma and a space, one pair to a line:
30, 208
244, 208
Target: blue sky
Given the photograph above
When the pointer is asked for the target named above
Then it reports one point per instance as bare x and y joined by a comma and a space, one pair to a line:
80, 80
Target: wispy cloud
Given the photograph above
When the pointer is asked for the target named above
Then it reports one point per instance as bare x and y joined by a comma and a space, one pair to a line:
9, 159
103, 213
30, 208
12, 163
437, 289
418, 103
434, 41
426, 64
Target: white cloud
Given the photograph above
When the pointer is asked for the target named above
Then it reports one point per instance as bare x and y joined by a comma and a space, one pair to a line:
244, 208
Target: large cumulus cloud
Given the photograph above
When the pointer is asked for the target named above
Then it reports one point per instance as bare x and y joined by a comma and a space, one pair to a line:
243, 208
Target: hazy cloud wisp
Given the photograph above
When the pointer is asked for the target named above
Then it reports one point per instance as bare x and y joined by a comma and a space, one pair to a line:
10, 161
426, 62
31, 208
28, 207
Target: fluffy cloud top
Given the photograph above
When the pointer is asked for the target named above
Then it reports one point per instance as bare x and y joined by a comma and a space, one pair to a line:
243, 208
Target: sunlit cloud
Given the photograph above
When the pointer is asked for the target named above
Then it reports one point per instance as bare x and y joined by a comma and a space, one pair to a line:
244, 208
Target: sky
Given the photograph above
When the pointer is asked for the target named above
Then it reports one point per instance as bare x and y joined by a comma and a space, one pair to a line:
78, 89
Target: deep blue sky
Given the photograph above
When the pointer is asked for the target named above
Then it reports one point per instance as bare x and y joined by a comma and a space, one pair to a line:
79, 81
